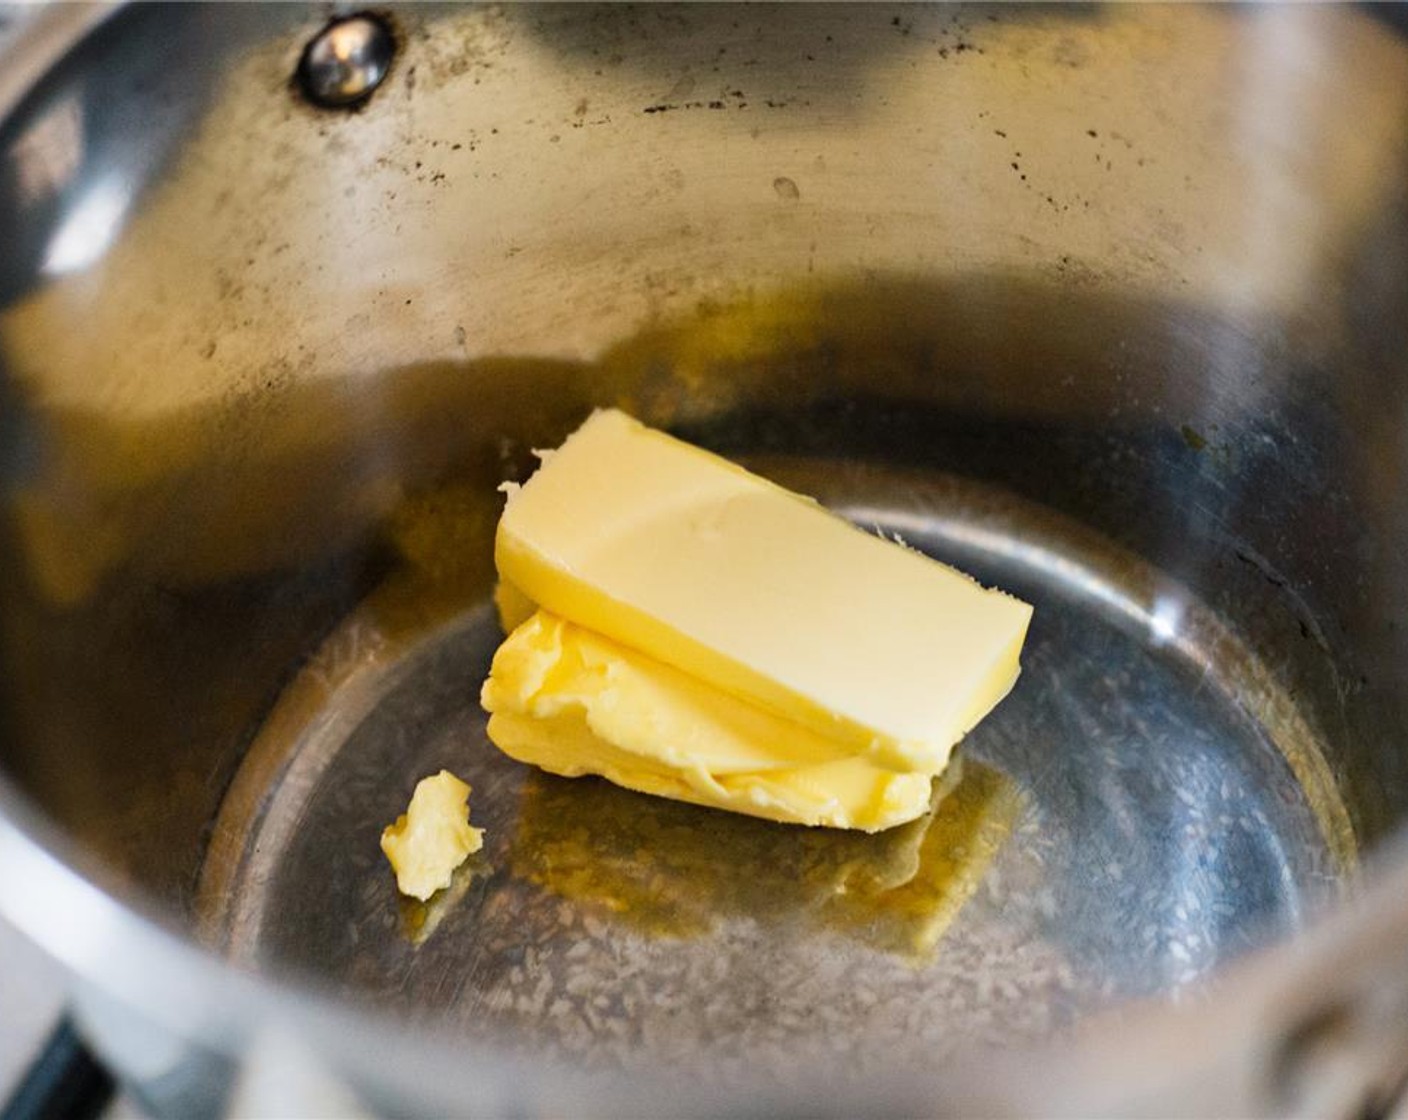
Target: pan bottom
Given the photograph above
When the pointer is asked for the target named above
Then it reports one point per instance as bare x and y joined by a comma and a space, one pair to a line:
1145, 805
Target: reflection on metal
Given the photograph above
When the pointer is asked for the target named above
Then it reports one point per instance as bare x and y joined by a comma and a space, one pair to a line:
1164, 618
88, 228
48, 153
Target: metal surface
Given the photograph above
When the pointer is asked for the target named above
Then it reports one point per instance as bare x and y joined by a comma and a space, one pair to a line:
1107, 302
346, 61
32, 993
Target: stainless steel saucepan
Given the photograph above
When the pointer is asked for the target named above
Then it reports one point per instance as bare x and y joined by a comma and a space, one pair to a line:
1105, 305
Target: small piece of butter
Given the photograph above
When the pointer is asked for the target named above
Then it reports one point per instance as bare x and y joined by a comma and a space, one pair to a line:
685, 628
433, 836
763, 594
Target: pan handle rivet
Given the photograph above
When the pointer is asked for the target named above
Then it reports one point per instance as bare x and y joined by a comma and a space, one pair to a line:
345, 62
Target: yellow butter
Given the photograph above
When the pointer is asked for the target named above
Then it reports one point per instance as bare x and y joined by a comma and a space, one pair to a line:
514, 608
759, 593
573, 702
432, 837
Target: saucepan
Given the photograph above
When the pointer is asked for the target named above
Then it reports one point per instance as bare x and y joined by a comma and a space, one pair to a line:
1107, 306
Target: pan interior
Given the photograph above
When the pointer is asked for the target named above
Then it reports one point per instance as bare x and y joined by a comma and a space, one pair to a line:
1144, 806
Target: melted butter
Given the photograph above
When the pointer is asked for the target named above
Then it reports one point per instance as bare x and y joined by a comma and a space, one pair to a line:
668, 870
420, 919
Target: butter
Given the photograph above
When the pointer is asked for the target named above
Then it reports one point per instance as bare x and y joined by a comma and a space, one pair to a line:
514, 608
433, 836
759, 593
684, 628
573, 702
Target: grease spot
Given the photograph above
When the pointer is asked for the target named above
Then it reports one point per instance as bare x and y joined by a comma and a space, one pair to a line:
786, 189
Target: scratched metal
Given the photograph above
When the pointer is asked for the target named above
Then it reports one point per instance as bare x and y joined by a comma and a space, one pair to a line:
1129, 818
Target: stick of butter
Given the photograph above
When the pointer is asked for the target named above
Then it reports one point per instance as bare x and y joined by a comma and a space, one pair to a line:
759, 593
